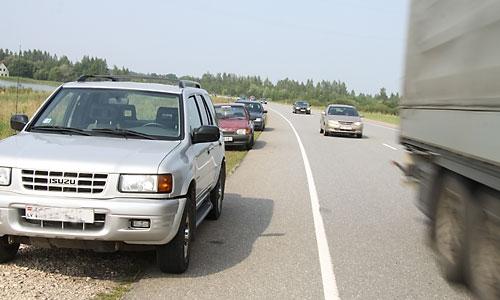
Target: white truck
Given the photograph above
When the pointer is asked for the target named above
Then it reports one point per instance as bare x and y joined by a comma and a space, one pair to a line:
450, 125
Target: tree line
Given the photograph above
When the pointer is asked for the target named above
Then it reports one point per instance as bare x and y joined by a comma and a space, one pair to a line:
42, 65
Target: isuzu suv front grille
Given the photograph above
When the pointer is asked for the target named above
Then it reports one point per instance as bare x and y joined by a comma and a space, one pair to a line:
68, 182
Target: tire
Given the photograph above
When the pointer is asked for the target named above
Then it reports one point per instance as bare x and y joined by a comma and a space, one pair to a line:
217, 195
483, 248
325, 133
359, 135
174, 257
449, 230
320, 129
7, 251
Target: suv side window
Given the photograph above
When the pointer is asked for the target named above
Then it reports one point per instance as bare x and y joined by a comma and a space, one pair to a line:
210, 108
193, 114
206, 118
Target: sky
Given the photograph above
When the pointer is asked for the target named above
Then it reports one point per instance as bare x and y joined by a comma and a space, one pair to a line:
360, 42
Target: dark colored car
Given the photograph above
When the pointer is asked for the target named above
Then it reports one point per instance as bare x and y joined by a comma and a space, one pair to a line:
301, 107
257, 113
236, 126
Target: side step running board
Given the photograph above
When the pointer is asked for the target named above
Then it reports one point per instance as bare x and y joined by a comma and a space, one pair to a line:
203, 211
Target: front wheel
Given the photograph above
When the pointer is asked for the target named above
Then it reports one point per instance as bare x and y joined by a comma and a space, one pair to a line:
174, 256
217, 195
7, 251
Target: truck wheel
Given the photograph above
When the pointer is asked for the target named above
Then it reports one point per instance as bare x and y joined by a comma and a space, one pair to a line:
449, 226
174, 256
7, 251
217, 195
483, 244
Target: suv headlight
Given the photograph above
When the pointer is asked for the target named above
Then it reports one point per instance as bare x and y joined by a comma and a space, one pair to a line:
146, 183
5, 176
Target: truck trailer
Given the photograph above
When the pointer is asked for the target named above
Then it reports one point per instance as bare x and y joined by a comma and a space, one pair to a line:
450, 127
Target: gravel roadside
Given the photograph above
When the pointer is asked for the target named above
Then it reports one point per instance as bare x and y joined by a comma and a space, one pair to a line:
68, 274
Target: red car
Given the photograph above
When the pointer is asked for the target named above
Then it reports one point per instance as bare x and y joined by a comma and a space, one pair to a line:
236, 126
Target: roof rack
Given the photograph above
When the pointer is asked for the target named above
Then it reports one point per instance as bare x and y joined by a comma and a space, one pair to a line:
84, 78
189, 83
140, 78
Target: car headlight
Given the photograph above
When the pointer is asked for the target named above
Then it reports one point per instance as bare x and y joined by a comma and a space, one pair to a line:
357, 123
308, 108
241, 131
5, 176
333, 123
146, 183
258, 120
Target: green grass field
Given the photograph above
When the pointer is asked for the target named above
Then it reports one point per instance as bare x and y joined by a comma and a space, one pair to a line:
391, 119
30, 80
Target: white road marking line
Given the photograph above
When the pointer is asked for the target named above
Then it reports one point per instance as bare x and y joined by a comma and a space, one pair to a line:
389, 146
381, 126
330, 290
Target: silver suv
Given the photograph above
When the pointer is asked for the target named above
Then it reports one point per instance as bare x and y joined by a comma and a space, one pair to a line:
113, 165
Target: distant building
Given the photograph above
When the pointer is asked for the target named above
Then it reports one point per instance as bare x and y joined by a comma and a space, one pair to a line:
4, 72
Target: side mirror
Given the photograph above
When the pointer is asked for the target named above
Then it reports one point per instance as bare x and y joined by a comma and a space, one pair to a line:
323, 113
18, 122
265, 111
205, 134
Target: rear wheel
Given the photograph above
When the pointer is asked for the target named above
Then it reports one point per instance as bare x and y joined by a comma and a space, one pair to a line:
7, 251
484, 248
174, 256
449, 226
217, 195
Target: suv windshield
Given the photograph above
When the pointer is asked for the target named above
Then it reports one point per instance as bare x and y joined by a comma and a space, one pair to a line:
342, 111
130, 113
230, 112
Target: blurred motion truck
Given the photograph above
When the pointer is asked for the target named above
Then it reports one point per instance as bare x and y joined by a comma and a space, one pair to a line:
450, 125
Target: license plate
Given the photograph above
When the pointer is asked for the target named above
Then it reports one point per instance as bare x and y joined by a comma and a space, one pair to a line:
73, 215
228, 139
345, 127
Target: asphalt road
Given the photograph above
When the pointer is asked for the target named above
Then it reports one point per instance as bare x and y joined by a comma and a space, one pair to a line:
264, 246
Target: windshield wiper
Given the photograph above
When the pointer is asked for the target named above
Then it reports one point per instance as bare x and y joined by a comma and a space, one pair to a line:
60, 129
123, 132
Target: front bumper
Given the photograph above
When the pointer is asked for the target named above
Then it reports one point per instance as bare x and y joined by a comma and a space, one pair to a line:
302, 111
354, 130
112, 219
258, 125
233, 139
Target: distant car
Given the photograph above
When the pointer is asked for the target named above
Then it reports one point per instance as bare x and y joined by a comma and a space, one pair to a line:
301, 107
263, 101
341, 119
257, 113
235, 124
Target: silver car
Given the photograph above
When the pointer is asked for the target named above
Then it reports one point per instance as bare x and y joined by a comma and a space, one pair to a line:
112, 165
342, 120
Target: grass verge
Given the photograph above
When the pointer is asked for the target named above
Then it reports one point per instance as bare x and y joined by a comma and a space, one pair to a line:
30, 80
234, 157
391, 119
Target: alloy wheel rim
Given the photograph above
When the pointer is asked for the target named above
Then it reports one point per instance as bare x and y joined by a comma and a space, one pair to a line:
187, 234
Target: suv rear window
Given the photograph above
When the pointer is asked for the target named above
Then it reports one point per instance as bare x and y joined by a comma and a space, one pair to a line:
150, 113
